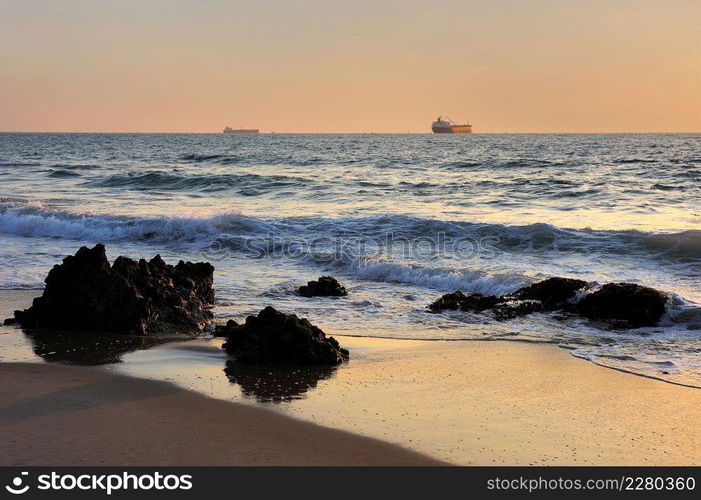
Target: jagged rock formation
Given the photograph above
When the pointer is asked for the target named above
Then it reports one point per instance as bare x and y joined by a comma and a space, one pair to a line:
141, 297
279, 338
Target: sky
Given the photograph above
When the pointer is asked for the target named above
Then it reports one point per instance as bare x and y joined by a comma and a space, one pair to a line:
350, 66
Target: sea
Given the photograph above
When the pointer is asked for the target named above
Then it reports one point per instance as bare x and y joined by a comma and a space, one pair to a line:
399, 219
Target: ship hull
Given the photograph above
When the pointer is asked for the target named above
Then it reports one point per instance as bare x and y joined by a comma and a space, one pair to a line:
242, 131
453, 129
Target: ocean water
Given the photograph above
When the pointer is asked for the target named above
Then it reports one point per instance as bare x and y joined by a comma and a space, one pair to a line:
399, 219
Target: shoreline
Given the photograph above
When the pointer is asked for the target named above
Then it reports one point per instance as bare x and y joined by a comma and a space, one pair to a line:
511, 403
82, 416
461, 402
21, 298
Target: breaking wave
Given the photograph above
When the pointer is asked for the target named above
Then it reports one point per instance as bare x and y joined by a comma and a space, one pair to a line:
22, 218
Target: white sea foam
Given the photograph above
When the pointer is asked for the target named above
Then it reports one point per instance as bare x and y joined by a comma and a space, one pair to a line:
439, 279
34, 219
599, 208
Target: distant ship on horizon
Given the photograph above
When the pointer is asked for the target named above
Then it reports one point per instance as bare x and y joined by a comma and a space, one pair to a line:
448, 126
229, 130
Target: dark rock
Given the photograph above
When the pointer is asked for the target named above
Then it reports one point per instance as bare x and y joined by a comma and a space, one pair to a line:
325, 286
9, 321
279, 338
511, 310
621, 304
552, 292
458, 301
449, 301
502, 307
477, 302
224, 330
129, 297
635, 304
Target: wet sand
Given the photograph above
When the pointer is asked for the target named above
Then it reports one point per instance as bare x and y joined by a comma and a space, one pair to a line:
58, 415
481, 403
508, 403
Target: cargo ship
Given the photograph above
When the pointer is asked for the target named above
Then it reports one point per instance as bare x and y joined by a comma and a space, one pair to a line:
229, 130
447, 126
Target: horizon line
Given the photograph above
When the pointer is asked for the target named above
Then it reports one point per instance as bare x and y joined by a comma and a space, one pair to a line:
347, 133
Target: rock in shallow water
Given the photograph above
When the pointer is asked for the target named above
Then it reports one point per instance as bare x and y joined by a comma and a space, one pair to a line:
458, 301
325, 286
549, 294
129, 297
632, 304
279, 338
553, 293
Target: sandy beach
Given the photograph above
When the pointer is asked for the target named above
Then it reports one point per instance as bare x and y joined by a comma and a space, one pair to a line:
404, 403
58, 415
464, 235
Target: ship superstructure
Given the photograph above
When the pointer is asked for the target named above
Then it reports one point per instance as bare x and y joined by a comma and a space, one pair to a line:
444, 125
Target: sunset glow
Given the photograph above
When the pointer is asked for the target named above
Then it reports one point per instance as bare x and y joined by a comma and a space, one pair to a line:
364, 66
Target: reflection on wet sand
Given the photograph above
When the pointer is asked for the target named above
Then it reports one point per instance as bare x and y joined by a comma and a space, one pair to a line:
81, 348
276, 383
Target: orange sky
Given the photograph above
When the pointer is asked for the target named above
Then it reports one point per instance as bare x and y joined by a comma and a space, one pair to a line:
350, 66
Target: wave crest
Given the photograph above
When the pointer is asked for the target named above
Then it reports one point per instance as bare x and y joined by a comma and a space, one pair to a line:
31, 219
